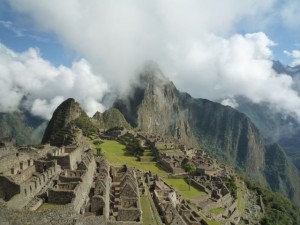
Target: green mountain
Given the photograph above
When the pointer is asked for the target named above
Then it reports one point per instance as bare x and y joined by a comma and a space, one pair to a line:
26, 129
157, 106
274, 127
63, 126
110, 118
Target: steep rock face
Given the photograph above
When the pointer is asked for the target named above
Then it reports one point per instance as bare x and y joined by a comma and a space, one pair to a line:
274, 126
228, 132
156, 106
110, 118
61, 129
281, 174
26, 129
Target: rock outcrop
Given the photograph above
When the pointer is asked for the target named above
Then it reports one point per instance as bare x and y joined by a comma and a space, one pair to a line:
63, 126
110, 118
156, 106
21, 126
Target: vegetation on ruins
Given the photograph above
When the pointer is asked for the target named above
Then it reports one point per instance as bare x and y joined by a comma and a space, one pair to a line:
21, 126
217, 211
278, 209
133, 146
114, 153
110, 118
189, 167
181, 185
84, 123
232, 186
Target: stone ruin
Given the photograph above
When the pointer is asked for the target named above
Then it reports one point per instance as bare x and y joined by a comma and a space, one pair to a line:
73, 186
61, 176
125, 202
115, 194
171, 207
218, 197
172, 162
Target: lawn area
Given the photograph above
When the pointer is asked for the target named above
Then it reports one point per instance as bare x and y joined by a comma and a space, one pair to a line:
241, 191
217, 211
212, 222
148, 214
183, 188
114, 153
48, 206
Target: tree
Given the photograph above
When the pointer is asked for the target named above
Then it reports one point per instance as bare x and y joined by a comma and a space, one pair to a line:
189, 167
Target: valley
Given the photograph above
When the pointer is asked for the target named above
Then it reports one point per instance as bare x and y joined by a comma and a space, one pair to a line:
160, 157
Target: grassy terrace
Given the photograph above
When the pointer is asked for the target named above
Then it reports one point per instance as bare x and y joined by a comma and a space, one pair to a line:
241, 191
48, 206
217, 211
114, 153
147, 216
183, 188
150, 215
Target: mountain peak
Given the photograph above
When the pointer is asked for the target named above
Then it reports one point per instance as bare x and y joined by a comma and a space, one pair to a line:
152, 74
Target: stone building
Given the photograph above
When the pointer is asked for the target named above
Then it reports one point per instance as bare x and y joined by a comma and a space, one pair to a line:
26, 179
66, 156
125, 194
99, 203
74, 186
172, 208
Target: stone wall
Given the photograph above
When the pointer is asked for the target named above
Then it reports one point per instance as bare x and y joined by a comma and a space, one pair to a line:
66, 157
75, 156
43, 165
62, 160
8, 188
125, 214
60, 196
83, 190
199, 186
30, 188
97, 204
124, 223
59, 216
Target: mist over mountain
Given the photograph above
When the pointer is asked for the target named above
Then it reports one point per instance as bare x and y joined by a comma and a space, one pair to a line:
206, 56
156, 106
22, 126
275, 126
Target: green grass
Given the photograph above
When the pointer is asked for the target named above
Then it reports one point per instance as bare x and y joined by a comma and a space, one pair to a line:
48, 206
212, 222
217, 211
241, 191
183, 188
147, 211
114, 153
147, 217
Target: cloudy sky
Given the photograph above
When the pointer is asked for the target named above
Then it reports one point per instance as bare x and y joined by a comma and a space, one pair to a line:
52, 50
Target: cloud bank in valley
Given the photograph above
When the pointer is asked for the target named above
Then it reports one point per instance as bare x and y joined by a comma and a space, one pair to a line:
196, 43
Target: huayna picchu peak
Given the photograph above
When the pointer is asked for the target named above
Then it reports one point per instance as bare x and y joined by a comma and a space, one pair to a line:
158, 156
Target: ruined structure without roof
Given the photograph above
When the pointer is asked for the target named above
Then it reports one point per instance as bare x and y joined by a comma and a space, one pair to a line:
72, 178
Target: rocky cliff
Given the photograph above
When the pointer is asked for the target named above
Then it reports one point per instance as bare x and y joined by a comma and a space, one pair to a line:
156, 106
22, 126
110, 118
63, 126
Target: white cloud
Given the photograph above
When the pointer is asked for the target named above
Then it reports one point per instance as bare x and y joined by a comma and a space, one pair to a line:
230, 102
28, 79
295, 55
191, 40
117, 37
